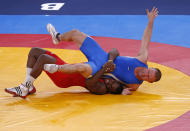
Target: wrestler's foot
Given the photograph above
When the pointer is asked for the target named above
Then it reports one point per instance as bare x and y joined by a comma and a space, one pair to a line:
21, 91
53, 33
32, 90
51, 68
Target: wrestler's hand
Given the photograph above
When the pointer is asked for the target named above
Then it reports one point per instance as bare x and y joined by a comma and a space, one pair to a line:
126, 91
152, 14
51, 68
109, 66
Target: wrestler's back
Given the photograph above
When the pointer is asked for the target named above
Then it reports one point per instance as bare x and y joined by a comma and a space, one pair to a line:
125, 67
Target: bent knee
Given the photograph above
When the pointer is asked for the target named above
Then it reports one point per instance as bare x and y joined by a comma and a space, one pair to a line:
76, 33
78, 36
46, 59
36, 51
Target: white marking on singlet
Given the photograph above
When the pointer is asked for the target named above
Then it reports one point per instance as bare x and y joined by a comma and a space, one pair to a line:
109, 74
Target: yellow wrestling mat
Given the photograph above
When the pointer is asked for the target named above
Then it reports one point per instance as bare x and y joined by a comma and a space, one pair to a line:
74, 109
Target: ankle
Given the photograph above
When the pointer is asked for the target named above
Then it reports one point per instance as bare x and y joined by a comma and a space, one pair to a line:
58, 36
28, 84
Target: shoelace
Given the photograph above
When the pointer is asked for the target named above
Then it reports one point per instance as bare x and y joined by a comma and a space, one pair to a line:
18, 90
28, 85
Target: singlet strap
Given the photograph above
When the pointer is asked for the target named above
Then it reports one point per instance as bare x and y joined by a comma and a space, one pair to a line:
114, 77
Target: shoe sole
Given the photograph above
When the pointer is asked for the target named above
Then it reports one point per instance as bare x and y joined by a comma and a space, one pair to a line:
49, 26
14, 94
33, 91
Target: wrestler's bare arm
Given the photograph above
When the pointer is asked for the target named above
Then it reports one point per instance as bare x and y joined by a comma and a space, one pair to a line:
94, 85
143, 53
129, 88
113, 53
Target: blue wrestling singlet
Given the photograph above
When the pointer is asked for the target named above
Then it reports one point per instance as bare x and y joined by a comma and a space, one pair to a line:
96, 56
125, 69
125, 66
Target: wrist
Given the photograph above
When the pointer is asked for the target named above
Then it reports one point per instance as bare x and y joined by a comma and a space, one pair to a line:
151, 20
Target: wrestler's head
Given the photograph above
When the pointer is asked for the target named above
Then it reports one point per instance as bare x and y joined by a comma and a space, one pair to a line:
113, 86
151, 75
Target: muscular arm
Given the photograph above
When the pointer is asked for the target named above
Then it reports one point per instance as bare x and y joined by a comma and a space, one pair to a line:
113, 54
94, 85
143, 53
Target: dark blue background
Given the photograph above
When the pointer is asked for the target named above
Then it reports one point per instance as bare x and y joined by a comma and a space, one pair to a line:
95, 7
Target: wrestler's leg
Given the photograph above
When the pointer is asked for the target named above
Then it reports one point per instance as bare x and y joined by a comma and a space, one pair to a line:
36, 59
39, 65
82, 68
73, 35
33, 56
91, 49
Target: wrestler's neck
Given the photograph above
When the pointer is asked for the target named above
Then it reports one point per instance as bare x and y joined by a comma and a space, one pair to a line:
139, 71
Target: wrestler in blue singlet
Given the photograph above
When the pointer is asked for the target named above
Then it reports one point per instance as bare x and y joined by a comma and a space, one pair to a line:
125, 69
125, 66
96, 56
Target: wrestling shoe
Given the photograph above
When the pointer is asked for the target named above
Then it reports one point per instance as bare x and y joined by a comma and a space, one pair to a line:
32, 90
21, 91
51, 68
53, 33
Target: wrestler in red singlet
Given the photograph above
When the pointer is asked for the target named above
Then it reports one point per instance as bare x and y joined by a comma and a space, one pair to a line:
64, 80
